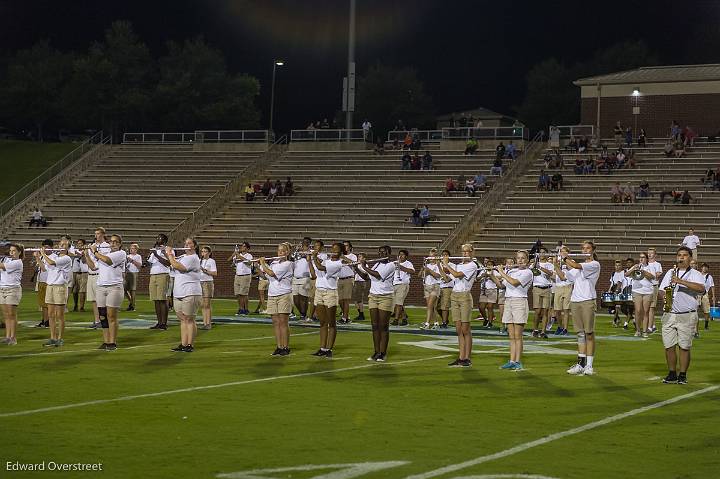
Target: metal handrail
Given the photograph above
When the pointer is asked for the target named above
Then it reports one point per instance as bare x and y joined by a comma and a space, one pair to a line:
427, 136
325, 134
33, 185
475, 218
235, 136
486, 132
567, 131
160, 137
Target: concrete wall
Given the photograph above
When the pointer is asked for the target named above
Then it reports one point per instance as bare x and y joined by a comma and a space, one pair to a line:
228, 146
459, 145
329, 146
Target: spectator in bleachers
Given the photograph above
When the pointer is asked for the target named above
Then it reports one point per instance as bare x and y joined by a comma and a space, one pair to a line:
424, 215
679, 149
415, 215
497, 167
690, 136
407, 142
628, 194
674, 194
582, 144
619, 134
463, 121
289, 188
480, 181
510, 151
416, 143
470, 186
325, 124
685, 199
620, 157
589, 166
266, 187
669, 149
642, 137
37, 218
460, 181
644, 190
311, 126
366, 126
548, 159
406, 161
674, 131
500, 151
427, 161
557, 161
616, 193
471, 146
249, 192
556, 182
628, 137
572, 144
449, 186
416, 163
543, 181
579, 166
554, 135
631, 163
272, 194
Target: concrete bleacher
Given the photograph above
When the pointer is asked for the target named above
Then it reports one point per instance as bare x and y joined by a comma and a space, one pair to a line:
351, 195
583, 209
136, 190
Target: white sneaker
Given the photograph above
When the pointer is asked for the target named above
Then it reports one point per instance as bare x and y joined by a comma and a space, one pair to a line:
292, 316
264, 311
435, 325
425, 326
588, 371
576, 370
638, 334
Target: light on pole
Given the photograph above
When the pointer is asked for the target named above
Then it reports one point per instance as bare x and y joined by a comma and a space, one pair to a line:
636, 108
276, 63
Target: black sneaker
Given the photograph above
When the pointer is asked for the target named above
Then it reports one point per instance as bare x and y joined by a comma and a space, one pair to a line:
130, 308
318, 353
162, 327
188, 349
682, 378
542, 335
111, 347
157, 326
393, 323
41, 324
380, 358
359, 317
455, 363
276, 352
179, 348
328, 354
103, 346
465, 363
671, 378
404, 322
284, 352
373, 357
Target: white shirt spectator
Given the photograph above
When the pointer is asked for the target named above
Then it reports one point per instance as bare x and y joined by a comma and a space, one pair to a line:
156, 267
430, 280
655, 268
347, 271
584, 280
401, 277
691, 241
188, 283
525, 277
11, 276
384, 284
331, 274
131, 268
541, 280
282, 282
57, 274
684, 299
111, 275
210, 265
465, 283
37, 215
241, 267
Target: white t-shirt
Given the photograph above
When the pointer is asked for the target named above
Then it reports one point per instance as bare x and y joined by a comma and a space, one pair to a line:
103, 248
282, 282
430, 280
76, 268
301, 270
567, 281
584, 280
156, 267
709, 281
210, 265
525, 277
83, 266
242, 268
691, 241
619, 277
684, 299
642, 286
188, 283
542, 279
131, 268
111, 275
11, 276
57, 274
451, 279
359, 279
384, 284
329, 277
401, 277
489, 283
347, 271
319, 274
465, 282
656, 268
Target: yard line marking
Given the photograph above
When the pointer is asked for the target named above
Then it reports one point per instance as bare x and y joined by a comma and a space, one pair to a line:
212, 386
559, 435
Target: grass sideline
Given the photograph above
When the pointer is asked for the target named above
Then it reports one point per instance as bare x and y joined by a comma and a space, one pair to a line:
33, 157
230, 407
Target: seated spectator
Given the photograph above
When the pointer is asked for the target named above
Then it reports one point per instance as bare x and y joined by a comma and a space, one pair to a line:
690, 136
249, 192
582, 144
424, 215
557, 160
510, 151
325, 123
631, 159
572, 144
37, 218
500, 151
272, 194
600, 163
470, 186
427, 161
642, 137
556, 182
289, 188
543, 181
311, 126
406, 161
471, 146
679, 149
620, 159
674, 194
416, 144
644, 190
480, 181
548, 159
628, 194
579, 166
266, 187
449, 186
611, 162
686, 198
589, 166
416, 162
496, 169
616, 193
279, 188
669, 149
415, 215
407, 142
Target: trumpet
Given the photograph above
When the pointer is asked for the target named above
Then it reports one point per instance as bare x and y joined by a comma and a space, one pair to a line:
638, 274
377, 260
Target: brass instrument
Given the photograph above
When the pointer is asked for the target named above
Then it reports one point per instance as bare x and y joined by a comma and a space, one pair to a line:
670, 293
377, 260
638, 274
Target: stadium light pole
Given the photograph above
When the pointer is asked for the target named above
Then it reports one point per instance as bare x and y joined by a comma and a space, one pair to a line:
276, 63
636, 109
350, 98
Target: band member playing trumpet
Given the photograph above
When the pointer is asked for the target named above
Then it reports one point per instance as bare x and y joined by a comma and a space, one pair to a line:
326, 296
243, 275
279, 274
187, 292
134, 263
208, 269
446, 286
11, 270
345, 284
301, 281
401, 285
541, 284
683, 285
159, 279
563, 292
431, 289
642, 292
361, 289
488, 293
109, 292
58, 266
80, 274
104, 247
509, 263
461, 303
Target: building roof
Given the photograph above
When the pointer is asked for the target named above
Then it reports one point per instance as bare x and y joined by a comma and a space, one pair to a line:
661, 74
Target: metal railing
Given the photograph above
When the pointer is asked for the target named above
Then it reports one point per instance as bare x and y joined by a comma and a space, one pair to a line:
425, 136
158, 137
490, 133
232, 136
33, 185
205, 212
471, 223
568, 131
324, 134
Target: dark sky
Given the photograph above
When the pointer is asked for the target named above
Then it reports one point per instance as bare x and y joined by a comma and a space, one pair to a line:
468, 53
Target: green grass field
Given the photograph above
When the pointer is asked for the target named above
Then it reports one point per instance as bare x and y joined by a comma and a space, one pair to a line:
34, 158
229, 408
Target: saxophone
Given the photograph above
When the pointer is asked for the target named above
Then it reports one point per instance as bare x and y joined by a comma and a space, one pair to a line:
669, 293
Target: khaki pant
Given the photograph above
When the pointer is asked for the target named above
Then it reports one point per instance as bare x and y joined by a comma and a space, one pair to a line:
541, 298
583, 315
516, 311
461, 305
158, 286
654, 297
80, 283
241, 285
383, 302
91, 287
282, 304
431, 290
361, 289
490, 296
301, 286
42, 291
678, 329
263, 284
130, 283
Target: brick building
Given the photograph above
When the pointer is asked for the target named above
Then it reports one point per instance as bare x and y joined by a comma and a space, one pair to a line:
652, 97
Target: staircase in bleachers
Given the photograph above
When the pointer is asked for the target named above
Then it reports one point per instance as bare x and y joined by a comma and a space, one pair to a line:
583, 209
137, 190
351, 195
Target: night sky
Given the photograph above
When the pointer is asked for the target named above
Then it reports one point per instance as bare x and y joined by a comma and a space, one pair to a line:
468, 53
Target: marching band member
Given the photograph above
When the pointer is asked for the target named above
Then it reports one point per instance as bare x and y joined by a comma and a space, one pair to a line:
583, 306
104, 247
11, 270
361, 289
80, 272
208, 271
57, 265
318, 246
73, 253
488, 293
134, 263
401, 286
301, 282
159, 279
656, 268
541, 285
431, 288
461, 303
326, 296
446, 285
42, 286
704, 303
241, 284
684, 284
380, 300
170, 288
345, 284
515, 315
262, 288
563, 292
509, 263
109, 291
642, 291
187, 292
618, 282
279, 274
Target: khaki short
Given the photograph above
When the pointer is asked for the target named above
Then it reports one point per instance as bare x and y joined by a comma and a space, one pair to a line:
188, 305
583, 315
130, 283
301, 286
461, 305
110, 296
311, 289
91, 287
516, 311
445, 294
704, 304
158, 286
678, 329
11, 296
561, 301
542, 298
80, 283
208, 289
241, 285
42, 288
263, 284
56, 294
490, 296
344, 289
641, 300
383, 302
401, 292
282, 304
654, 298
361, 289
326, 297
501, 296
431, 290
